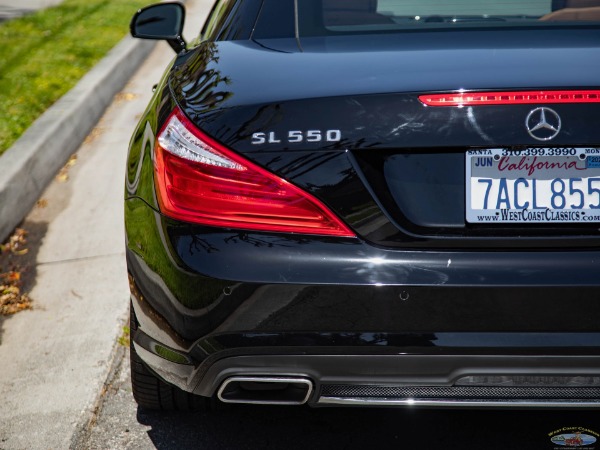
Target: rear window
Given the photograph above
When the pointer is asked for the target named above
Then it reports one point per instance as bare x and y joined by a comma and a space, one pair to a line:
330, 17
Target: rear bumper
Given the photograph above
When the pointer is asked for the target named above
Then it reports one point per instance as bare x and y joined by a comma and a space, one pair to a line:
537, 369
446, 374
344, 315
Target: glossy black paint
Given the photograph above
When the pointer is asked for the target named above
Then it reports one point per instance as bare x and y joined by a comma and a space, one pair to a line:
202, 258
301, 89
407, 284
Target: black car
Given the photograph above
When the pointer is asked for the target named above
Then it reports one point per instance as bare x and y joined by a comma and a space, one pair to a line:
362, 202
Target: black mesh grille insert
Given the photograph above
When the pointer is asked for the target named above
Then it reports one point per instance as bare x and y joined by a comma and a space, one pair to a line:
460, 392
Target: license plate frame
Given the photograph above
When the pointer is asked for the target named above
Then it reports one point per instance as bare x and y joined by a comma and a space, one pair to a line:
533, 185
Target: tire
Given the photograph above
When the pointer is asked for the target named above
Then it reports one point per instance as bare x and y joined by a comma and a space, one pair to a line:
151, 392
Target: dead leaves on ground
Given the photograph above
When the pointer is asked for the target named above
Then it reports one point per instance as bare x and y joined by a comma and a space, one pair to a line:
63, 175
125, 97
12, 300
16, 243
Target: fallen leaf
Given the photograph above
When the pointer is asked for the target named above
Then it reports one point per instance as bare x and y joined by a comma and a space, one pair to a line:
11, 291
72, 161
14, 276
93, 135
12, 299
62, 177
125, 97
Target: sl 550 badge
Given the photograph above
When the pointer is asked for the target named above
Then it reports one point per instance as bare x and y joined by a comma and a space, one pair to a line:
296, 137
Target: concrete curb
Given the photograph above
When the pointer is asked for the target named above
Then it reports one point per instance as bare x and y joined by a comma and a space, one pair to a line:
32, 162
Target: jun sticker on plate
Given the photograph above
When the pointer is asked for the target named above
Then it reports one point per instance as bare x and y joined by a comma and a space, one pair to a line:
533, 185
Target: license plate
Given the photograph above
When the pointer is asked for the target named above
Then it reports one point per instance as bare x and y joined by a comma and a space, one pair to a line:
534, 185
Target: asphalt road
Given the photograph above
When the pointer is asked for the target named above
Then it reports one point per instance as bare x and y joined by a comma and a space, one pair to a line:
120, 425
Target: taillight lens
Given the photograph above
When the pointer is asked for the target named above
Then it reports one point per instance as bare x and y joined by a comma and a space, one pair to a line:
510, 98
199, 180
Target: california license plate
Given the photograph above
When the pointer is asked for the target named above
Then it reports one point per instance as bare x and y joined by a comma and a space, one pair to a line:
534, 185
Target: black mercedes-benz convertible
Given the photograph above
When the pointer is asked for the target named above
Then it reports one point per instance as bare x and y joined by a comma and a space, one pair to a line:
362, 202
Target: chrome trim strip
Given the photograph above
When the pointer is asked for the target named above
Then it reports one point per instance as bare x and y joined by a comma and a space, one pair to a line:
259, 379
348, 401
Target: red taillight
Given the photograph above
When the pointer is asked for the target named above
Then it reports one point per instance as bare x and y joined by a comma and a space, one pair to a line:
510, 98
199, 180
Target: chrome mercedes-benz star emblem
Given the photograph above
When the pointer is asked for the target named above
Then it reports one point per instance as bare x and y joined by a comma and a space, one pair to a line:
543, 124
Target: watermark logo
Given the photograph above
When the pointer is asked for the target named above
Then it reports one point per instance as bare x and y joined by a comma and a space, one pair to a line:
574, 437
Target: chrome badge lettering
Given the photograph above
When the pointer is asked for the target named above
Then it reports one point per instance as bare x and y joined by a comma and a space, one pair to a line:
297, 137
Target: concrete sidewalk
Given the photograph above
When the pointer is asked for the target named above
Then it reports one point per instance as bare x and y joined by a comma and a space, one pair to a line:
10, 9
56, 359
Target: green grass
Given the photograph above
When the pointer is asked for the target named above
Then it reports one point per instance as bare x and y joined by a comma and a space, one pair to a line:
125, 337
43, 55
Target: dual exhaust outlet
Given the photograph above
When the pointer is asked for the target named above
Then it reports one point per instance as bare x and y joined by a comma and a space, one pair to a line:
266, 390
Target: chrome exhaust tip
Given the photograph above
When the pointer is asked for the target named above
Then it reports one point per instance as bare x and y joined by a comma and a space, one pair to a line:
258, 390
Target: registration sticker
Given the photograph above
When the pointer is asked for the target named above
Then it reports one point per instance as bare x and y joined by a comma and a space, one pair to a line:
533, 185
